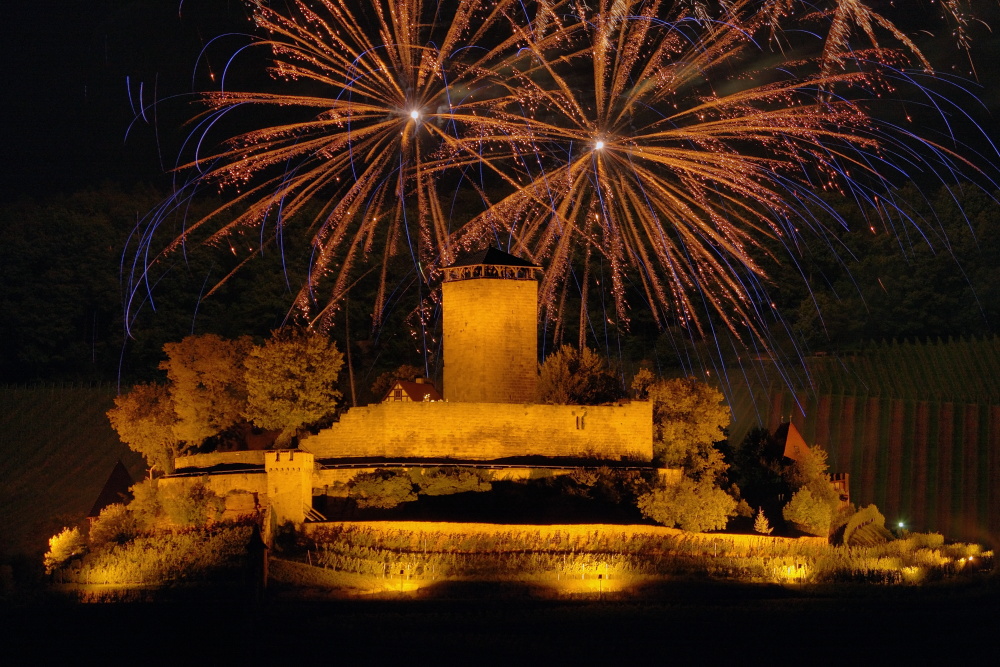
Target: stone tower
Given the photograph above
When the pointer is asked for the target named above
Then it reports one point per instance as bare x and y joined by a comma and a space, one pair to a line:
489, 305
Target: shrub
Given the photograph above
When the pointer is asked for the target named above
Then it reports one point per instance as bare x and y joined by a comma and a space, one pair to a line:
577, 377
866, 528
690, 505
383, 489
809, 513
64, 546
189, 505
115, 524
146, 506
447, 480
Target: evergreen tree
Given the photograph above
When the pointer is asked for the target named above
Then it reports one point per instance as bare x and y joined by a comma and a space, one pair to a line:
761, 524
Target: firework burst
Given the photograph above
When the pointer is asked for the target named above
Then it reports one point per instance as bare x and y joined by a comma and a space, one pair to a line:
386, 97
665, 148
667, 139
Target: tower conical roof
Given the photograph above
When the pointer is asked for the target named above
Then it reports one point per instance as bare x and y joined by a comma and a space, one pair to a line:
493, 257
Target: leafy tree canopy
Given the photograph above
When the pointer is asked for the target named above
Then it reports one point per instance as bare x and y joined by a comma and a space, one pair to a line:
689, 417
698, 506
577, 377
448, 480
291, 381
207, 384
63, 546
145, 421
383, 489
809, 513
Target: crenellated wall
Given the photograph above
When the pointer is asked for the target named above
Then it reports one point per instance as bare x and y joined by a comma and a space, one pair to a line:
486, 431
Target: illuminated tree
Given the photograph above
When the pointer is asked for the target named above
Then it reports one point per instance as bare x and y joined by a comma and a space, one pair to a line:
63, 546
761, 524
697, 506
448, 480
207, 384
641, 382
146, 506
809, 513
115, 524
383, 489
816, 503
577, 377
291, 382
145, 420
188, 505
689, 417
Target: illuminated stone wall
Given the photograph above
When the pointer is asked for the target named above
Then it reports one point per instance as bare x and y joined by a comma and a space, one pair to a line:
219, 458
490, 340
485, 431
237, 488
289, 483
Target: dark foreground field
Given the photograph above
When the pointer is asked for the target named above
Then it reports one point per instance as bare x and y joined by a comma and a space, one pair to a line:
684, 622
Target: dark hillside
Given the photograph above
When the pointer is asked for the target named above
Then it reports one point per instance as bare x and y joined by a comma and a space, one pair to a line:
57, 450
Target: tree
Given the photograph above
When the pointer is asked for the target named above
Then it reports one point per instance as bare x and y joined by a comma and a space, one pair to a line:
697, 506
291, 382
382, 488
207, 384
577, 377
189, 505
809, 473
809, 513
761, 524
689, 417
146, 506
145, 421
759, 471
641, 382
447, 480
114, 525
63, 546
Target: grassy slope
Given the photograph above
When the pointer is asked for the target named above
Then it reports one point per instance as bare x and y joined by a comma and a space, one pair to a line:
57, 450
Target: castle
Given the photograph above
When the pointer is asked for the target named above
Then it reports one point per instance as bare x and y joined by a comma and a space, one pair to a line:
488, 416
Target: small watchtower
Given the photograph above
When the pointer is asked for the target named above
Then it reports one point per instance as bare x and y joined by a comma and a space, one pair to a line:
489, 306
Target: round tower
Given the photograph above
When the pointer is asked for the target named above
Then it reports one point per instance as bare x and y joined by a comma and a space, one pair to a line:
489, 308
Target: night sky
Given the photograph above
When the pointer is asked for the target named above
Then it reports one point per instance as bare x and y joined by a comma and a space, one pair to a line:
72, 73
73, 70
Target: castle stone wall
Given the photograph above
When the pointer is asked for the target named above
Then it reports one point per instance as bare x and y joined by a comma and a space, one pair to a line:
289, 483
219, 458
486, 431
237, 489
490, 340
